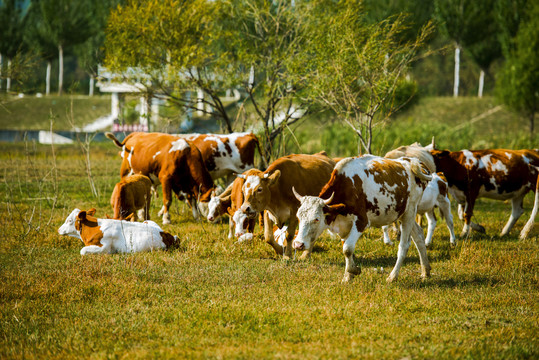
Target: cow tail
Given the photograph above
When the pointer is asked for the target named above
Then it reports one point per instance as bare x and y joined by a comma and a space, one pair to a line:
417, 170
529, 225
114, 140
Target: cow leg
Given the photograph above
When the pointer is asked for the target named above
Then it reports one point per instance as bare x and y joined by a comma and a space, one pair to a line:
230, 227
461, 211
419, 241
194, 208
387, 240
516, 211
529, 225
94, 249
167, 200
292, 225
445, 208
468, 212
431, 225
349, 245
407, 223
268, 234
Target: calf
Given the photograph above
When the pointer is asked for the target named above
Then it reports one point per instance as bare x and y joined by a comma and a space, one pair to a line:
107, 236
271, 190
132, 193
434, 195
363, 192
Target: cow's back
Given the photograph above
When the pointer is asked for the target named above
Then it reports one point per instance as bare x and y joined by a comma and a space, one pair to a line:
306, 173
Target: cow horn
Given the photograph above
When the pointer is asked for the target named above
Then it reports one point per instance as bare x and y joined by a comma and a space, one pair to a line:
266, 175
298, 196
433, 144
241, 176
329, 200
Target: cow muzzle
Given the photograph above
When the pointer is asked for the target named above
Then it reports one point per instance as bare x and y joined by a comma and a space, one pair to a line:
298, 245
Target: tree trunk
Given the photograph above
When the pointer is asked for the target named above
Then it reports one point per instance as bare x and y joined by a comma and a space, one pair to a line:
92, 82
481, 83
1, 66
60, 69
457, 71
8, 79
48, 78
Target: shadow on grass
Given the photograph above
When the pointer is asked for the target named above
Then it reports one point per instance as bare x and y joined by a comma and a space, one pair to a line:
458, 282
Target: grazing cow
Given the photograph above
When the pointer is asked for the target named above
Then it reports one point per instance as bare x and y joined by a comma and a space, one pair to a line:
173, 162
363, 192
132, 193
225, 154
271, 190
434, 195
230, 203
497, 174
107, 236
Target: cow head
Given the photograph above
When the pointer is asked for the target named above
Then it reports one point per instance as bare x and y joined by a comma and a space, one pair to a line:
242, 223
257, 192
70, 225
314, 215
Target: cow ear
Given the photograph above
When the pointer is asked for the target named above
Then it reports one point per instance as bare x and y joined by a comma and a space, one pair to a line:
241, 176
337, 209
274, 177
82, 215
92, 211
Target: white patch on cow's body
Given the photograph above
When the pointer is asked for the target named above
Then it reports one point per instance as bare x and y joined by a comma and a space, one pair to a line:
179, 145
509, 155
280, 235
231, 161
156, 154
129, 157
470, 158
486, 163
122, 154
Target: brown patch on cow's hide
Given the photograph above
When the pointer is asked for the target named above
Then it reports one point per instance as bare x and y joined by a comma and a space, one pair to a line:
90, 231
227, 146
442, 186
248, 144
169, 240
390, 174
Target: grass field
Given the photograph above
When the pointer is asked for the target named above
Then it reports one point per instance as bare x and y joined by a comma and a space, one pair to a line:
213, 298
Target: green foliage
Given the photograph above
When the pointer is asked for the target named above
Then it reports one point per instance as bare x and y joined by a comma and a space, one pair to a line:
518, 84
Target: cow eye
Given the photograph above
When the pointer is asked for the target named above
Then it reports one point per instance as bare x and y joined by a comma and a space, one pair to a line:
316, 220
259, 190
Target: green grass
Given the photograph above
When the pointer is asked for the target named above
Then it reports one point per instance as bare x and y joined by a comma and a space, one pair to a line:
213, 298
31, 113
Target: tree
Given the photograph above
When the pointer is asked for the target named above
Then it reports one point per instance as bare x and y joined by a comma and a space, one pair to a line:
459, 21
171, 43
90, 53
354, 67
66, 23
518, 82
13, 19
266, 38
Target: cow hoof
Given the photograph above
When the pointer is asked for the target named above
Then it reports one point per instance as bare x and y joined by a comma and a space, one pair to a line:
425, 272
391, 279
305, 256
347, 278
389, 243
166, 221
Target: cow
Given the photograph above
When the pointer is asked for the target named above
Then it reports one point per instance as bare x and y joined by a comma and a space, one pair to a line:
434, 195
107, 236
132, 193
229, 202
367, 191
498, 174
271, 190
173, 162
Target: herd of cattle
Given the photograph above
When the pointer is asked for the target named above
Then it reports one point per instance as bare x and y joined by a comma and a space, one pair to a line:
299, 196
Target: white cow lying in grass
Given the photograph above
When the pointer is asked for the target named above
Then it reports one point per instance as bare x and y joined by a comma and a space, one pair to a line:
434, 195
110, 236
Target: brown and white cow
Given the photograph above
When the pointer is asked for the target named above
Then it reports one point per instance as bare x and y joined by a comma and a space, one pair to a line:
107, 236
498, 174
132, 193
173, 162
271, 190
367, 191
229, 203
